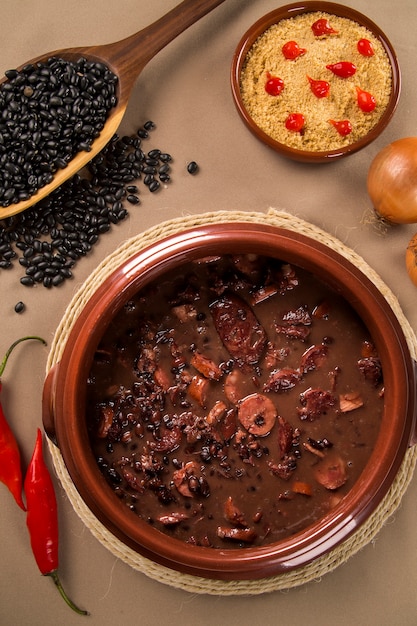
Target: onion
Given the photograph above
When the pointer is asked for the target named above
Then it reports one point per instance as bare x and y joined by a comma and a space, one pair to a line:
411, 259
392, 182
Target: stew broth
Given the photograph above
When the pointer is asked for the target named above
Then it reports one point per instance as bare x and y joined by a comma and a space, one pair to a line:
234, 401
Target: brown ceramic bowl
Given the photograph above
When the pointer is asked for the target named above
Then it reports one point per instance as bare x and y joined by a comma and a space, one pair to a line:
65, 399
290, 11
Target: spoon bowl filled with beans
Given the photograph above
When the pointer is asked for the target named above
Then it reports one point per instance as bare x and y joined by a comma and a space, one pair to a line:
60, 109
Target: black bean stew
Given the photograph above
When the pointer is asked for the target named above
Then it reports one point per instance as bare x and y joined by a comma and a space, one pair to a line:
234, 402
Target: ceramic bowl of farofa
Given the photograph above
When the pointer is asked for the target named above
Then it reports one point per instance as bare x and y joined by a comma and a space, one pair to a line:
315, 81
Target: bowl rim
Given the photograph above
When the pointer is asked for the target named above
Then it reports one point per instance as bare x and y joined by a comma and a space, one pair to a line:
291, 10
135, 273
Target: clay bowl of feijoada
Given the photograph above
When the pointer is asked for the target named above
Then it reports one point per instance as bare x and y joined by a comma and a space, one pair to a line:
234, 401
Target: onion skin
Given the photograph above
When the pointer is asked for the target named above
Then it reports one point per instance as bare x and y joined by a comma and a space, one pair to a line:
411, 259
392, 182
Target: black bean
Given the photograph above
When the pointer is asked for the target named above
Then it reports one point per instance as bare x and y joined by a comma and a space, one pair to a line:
142, 133
57, 280
122, 214
164, 169
154, 186
27, 281
192, 167
19, 307
9, 254
65, 272
38, 276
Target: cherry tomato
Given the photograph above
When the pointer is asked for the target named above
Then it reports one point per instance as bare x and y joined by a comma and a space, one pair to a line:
295, 122
273, 85
344, 69
365, 48
291, 50
322, 27
320, 88
366, 101
343, 127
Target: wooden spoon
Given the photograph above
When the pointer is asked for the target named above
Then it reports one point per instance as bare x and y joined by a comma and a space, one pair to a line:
125, 58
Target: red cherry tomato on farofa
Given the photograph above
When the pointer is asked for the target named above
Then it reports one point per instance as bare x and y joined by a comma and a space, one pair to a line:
365, 48
295, 122
320, 88
274, 85
291, 50
343, 69
343, 127
366, 101
322, 27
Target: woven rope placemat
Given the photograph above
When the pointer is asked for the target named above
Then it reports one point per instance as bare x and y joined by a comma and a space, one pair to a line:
195, 584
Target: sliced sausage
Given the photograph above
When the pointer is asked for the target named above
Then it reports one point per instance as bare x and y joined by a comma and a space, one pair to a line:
257, 413
331, 472
240, 331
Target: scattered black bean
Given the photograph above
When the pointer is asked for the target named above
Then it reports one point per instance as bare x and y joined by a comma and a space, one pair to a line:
143, 133
48, 112
192, 167
27, 281
48, 239
154, 186
164, 169
20, 307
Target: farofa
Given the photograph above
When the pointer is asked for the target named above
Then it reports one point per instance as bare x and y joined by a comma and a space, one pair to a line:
373, 74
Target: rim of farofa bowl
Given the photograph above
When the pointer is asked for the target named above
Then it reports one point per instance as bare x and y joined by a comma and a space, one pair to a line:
257, 29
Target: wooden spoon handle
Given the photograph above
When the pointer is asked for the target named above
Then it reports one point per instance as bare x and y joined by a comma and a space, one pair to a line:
129, 56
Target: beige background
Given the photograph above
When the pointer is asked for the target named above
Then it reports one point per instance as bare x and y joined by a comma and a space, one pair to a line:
185, 90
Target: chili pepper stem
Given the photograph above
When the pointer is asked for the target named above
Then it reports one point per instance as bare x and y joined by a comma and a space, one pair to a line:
12, 347
58, 584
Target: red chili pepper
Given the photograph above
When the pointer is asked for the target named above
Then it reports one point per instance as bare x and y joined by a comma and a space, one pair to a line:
322, 27
10, 460
320, 88
291, 50
42, 518
343, 69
